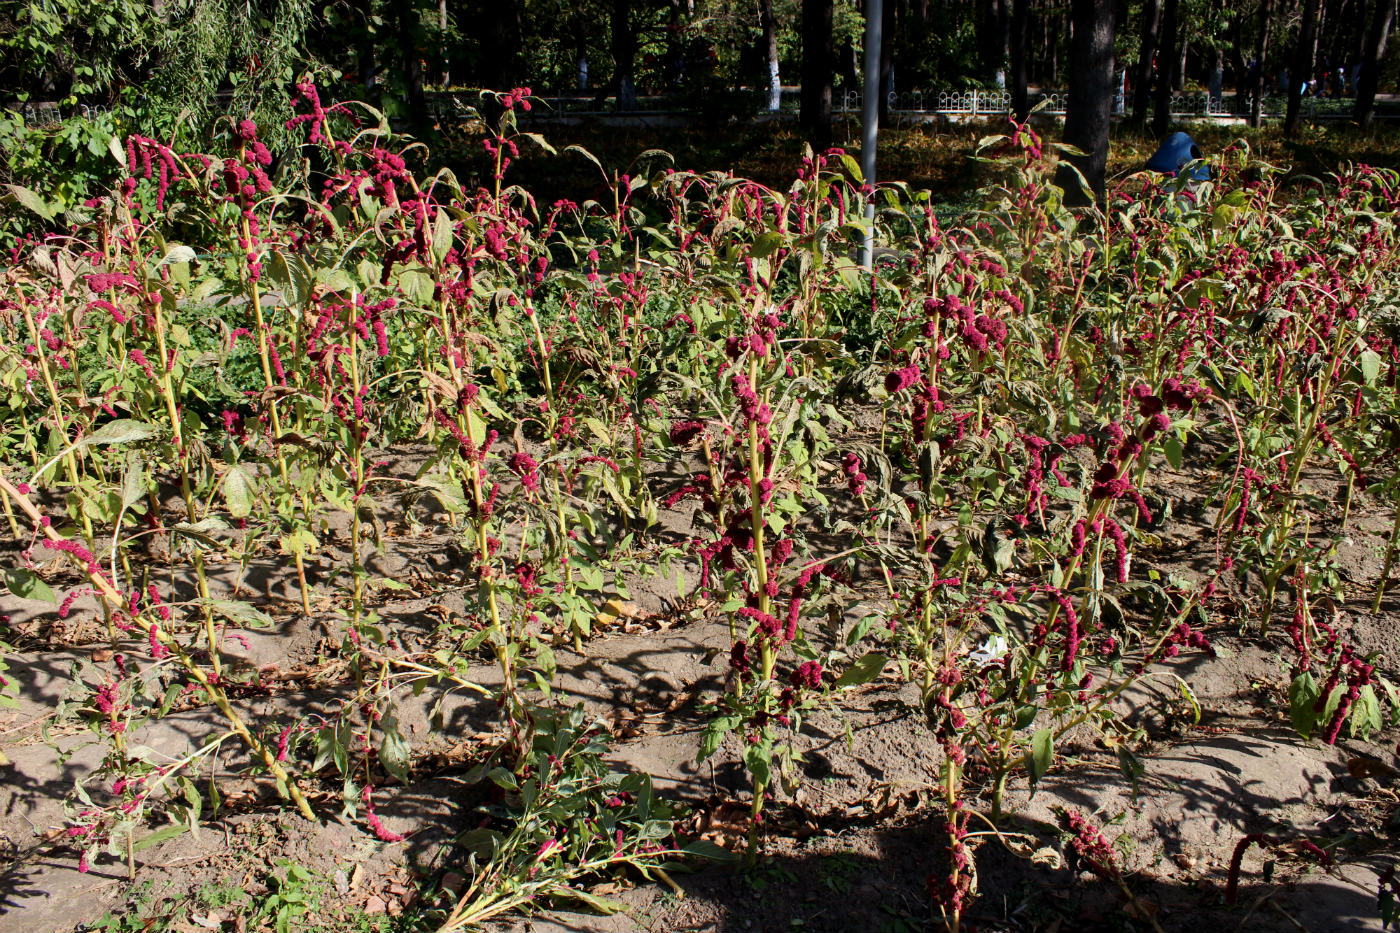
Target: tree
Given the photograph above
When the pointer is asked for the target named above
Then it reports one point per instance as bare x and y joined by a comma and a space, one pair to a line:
1366, 84
624, 52
1090, 105
770, 49
1147, 47
818, 54
502, 44
407, 32
1302, 70
1020, 38
1261, 52
1166, 68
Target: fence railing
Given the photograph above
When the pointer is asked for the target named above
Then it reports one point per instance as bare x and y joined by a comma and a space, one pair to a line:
998, 102
969, 103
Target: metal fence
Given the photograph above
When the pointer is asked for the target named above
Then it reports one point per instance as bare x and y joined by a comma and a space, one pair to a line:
977, 103
969, 104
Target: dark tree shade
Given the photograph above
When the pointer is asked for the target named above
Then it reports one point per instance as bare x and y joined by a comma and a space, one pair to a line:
1166, 68
407, 35
1147, 47
1370, 66
818, 55
1302, 66
1261, 52
1020, 38
624, 50
1090, 106
501, 51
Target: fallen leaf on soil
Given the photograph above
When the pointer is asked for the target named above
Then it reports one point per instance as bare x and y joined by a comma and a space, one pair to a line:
375, 905
1370, 768
452, 883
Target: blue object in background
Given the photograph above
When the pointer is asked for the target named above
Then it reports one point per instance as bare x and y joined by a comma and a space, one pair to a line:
1175, 152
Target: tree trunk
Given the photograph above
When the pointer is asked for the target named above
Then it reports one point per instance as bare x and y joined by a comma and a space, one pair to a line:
887, 58
412, 68
1003, 41
1369, 78
364, 46
817, 54
770, 46
1147, 47
500, 60
991, 37
1302, 66
1166, 62
1089, 109
445, 76
1179, 72
624, 49
1261, 52
1020, 34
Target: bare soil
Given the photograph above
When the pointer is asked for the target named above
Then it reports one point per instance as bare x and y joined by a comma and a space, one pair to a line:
851, 852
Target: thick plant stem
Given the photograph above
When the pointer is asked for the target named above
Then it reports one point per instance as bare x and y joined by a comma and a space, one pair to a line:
182, 461
255, 298
69, 460
767, 654
554, 490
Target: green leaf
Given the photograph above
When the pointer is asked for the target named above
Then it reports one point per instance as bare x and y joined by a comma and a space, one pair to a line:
177, 253
759, 760
1189, 696
1171, 447
1130, 766
121, 431
31, 200
159, 836
240, 612
766, 244
133, 482
299, 542
1042, 754
26, 585
503, 779
863, 671
238, 492
703, 848
1302, 703
1370, 362
1366, 714
393, 749
715, 731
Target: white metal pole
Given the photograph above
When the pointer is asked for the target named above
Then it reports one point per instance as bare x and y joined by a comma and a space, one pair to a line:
870, 93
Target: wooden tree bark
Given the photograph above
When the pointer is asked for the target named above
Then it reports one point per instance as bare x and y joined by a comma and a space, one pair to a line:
444, 54
412, 67
501, 50
624, 49
818, 55
1147, 47
1369, 79
1090, 105
770, 47
1020, 79
1301, 72
1261, 52
365, 59
1166, 66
